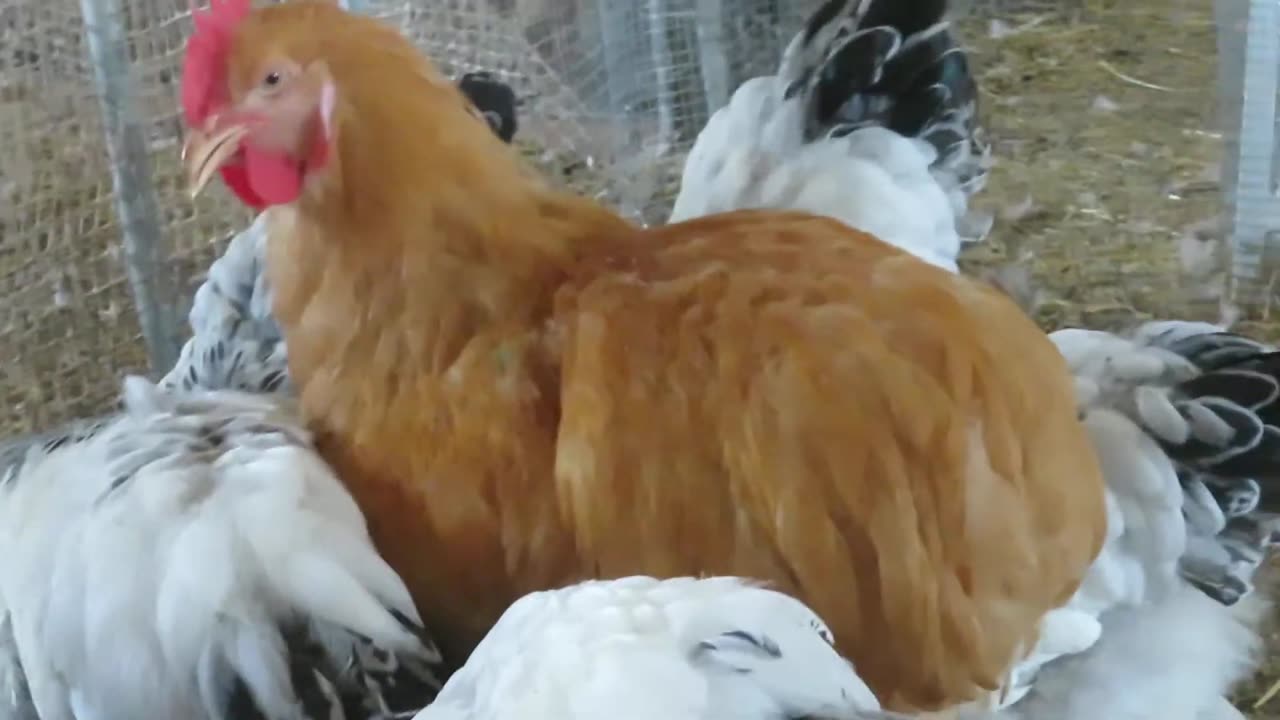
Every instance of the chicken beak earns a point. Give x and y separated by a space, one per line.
203 153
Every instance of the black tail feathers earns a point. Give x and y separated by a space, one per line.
887 63
1232 407
495 100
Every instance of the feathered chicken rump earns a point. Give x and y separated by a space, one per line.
872 119
192 557
637 647
522 390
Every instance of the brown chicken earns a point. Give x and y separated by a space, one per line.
521 389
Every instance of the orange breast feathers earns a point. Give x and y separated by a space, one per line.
774 395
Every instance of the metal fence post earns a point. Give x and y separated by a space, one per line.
658 23
135 195
713 56
1254 206
618 43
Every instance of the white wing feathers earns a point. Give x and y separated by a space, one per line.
1146 533
639 648
195 558
1119 381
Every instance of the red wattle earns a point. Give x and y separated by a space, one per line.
236 176
274 178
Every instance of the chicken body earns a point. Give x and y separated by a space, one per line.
522 390
235 343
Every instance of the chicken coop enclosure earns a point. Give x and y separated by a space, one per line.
1103 114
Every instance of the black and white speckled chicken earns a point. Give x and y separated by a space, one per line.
191 556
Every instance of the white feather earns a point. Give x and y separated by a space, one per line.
159 559
1171 660
640 649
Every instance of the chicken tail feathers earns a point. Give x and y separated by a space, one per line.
495 100
1224 421
1200 408
871 120
892 64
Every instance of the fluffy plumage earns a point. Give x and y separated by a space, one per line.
1171 660
723 648
640 649
1188 411
235 343
15 696
192 557
870 119
1230 407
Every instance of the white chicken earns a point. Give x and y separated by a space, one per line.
642 649
1183 418
1209 401
699 649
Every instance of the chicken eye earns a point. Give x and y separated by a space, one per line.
272 79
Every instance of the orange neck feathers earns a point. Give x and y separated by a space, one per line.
424 233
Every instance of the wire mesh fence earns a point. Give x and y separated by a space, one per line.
100 249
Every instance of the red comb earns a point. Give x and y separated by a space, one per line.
204 69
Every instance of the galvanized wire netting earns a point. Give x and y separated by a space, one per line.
100 249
